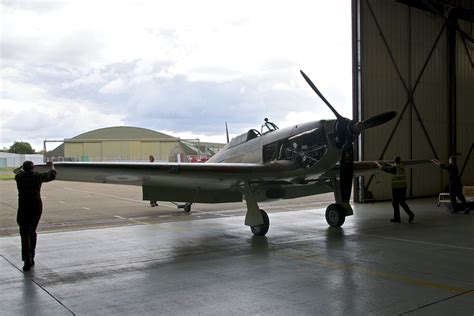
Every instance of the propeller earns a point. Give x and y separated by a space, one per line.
378 119
346 131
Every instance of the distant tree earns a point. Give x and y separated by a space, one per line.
21 148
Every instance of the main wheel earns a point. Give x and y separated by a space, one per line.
335 215
261 230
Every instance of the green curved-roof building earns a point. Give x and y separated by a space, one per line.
126 143
119 143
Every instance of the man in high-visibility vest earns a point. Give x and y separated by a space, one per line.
399 189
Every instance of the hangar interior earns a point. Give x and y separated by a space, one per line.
414 57
153 261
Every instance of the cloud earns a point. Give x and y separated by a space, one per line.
30 114
114 86
181 66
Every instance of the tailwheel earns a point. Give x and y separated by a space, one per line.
187 207
261 230
335 215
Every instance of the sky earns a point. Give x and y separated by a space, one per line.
180 67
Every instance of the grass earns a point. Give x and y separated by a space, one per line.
7 176
6 173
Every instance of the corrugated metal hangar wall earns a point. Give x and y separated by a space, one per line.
414 57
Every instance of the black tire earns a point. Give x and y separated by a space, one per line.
187 207
261 230
335 215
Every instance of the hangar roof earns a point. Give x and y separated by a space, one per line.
121 133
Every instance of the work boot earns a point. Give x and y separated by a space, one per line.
27 266
467 210
410 219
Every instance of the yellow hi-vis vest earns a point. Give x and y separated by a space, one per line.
399 180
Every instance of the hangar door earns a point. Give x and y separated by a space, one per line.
414 57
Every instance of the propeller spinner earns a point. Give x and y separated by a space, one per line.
346 131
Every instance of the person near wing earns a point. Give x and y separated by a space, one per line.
455 184
153 203
399 189
30 207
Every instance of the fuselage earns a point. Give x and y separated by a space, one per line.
309 145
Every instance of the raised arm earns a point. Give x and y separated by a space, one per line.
48 175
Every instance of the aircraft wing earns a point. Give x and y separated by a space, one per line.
179 182
212 175
369 167
210 182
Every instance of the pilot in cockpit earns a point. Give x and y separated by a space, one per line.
268 126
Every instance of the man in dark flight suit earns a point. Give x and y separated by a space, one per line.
455 185
30 207
399 189
153 203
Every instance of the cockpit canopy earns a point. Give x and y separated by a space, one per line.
267 127
251 134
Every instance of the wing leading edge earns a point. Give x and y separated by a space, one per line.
210 175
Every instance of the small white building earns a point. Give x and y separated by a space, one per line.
16 160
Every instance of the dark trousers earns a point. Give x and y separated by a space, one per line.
398 198
28 239
456 191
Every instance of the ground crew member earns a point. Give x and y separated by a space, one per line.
30 207
455 185
399 189
153 203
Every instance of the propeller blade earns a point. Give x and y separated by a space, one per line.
346 171
378 119
311 84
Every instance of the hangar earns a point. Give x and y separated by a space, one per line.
414 56
127 143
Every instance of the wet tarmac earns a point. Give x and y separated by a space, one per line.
212 265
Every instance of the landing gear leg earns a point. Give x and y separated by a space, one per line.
256 218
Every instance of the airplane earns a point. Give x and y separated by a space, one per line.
301 160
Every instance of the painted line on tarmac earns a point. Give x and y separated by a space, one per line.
423 242
295 240
106 195
132 220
